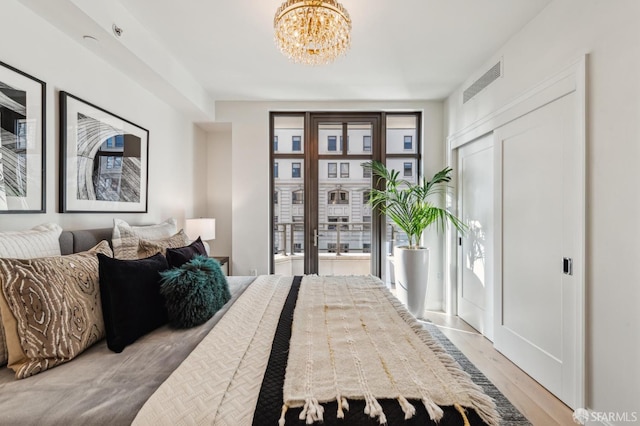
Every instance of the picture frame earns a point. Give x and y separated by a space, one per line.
22 142
104 160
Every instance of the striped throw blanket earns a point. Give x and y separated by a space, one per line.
351 341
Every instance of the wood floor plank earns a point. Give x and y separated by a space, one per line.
537 404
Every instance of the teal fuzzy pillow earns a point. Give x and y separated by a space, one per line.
194 292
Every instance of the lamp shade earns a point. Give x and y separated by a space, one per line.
204 228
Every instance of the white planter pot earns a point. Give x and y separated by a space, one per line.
412 272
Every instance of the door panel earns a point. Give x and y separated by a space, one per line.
342 223
540 181
476 201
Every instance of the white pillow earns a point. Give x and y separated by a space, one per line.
41 241
149 232
125 237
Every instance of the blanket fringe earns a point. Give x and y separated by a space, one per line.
285 407
483 404
463 413
408 409
373 409
312 411
343 406
435 412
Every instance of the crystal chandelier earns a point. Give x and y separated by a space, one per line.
312 32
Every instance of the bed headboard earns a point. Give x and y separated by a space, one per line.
81 240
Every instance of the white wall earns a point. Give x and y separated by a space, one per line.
34 46
609 32
218 193
250 171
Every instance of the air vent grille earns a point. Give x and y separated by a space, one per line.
489 77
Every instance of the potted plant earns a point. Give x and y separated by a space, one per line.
410 206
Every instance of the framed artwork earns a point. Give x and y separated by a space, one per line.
103 160
22 142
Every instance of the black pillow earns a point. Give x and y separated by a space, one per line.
132 304
179 256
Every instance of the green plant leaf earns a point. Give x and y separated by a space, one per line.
407 204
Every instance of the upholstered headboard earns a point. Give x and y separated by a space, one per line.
81 240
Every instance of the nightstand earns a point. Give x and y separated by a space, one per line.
224 263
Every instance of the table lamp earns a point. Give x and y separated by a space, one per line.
205 228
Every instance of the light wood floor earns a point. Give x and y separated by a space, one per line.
537 404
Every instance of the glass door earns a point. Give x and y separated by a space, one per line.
343 225
321 220
288 177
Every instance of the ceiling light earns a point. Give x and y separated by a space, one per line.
313 32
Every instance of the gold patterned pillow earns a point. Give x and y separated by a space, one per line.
148 248
51 308
37 242
4 354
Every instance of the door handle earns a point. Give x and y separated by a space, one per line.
315 237
567 265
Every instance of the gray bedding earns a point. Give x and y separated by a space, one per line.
101 387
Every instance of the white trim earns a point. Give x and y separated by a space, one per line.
543 93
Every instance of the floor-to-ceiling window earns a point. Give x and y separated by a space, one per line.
321 220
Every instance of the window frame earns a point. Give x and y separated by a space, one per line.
332 174
366 147
297 197
296 140
332 140
404 169
410 148
299 168
338 199
344 170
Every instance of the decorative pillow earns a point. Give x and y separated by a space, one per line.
181 255
51 308
41 241
125 237
4 353
131 301
194 292
147 248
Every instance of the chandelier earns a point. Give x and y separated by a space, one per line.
312 32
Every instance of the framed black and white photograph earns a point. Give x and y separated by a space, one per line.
104 160
22 142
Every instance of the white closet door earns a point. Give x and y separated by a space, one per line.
539 181
476 209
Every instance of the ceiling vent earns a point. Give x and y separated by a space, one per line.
489 77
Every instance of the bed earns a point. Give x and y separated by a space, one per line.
283 350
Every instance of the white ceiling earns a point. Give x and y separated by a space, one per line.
402 49
192 53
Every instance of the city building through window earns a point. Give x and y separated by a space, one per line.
295 170
332 143
344 170
408 169
332 170
408 143
296 143
338 197
366 143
